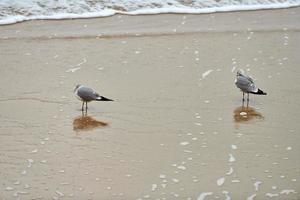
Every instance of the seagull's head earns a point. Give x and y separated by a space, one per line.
240 72
77 86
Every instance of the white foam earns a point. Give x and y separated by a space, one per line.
272 195
34 151
243 113
32 9
73 69
181 167
251 197
17 182
256 185
233 146
9 188
203 195
198 124
59 193
153 187
56 16
231 158
226 193
230 171
162 176
184 143
175 180
287 192
21 192
206 73
220 181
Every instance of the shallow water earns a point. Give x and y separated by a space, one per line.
176 129
13 11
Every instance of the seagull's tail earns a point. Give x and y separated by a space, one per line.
259 92
102 98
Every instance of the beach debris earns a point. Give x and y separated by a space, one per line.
203 195
231 158
226 193
162 176
175 180
153 187
9 188
184 143
230 171
34 151
206 73
181 167
251 197
17 182
73 69
287 192
256 185
221 181
77 66
271 195
59 193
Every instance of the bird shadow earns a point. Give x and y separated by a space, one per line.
246 114
87 123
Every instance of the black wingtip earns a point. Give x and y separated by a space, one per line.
260 92
105 99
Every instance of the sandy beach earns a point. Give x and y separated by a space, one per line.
177 128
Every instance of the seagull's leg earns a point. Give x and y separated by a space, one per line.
247 99
243 99
86 106
82 105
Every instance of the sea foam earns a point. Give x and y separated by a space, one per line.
13 11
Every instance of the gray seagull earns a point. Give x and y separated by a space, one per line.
86 94
247 85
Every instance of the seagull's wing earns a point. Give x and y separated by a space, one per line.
249 78
87 94
252 87
246 84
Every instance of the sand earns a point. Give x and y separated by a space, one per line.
176 129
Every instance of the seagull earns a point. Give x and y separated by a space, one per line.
247 85
86 94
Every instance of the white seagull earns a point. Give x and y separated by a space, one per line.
86 94
247 85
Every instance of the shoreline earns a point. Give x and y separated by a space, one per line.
145 12
155 25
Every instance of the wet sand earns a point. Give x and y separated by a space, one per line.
176 129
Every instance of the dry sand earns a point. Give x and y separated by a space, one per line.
176 129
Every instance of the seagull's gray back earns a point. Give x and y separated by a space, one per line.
87 94
245 83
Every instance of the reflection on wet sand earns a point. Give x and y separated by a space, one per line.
244 114
86 123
